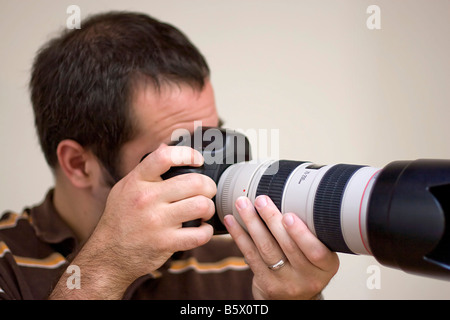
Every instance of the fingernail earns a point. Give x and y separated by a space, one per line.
261 202
228 220
241 203
288 220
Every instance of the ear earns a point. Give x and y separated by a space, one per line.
77 163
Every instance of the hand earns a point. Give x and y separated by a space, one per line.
309 264
144 214
141 226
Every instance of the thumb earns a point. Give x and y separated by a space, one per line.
165 157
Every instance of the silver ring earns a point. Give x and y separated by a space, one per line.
280 264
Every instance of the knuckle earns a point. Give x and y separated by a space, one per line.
275 290
206 207
211 187
197 239
202 204
202 184
271 291
187 242
161 152
154 221
319 255
141 199
315 286
195 181
294 291
266 248
182 155
271 215
250 256
166 154
205 235
144 197
290 247
334 264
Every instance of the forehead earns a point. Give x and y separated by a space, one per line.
158 113
172 106
168 100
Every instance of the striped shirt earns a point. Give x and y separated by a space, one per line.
36 247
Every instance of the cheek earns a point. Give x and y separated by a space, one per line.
103 186
130 156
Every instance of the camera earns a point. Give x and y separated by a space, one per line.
400 214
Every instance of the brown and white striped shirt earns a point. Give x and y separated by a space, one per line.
36 247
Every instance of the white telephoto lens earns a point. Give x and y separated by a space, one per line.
332 200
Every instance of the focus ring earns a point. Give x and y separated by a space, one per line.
274 179
327 206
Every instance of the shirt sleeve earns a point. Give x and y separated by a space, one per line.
9 271
13 279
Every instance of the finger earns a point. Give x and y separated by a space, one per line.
193 237
263 239
313 249
197 207
245 245
272 217
165 157
188 185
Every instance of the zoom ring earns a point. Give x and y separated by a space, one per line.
274 179
327 206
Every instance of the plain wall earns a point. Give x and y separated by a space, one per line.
336 91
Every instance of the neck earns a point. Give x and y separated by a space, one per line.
79 208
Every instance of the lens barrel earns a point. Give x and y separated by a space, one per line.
331 200
398 214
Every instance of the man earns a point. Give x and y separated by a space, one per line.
111 228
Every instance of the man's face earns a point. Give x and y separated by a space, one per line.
159 112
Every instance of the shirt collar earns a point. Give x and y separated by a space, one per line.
48 224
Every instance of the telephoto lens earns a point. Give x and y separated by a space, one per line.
398 214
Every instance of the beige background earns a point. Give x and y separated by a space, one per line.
337 91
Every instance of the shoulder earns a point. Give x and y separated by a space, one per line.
10 219
14 228
26 263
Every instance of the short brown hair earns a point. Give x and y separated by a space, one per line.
81 82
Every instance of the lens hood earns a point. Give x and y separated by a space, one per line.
408 217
